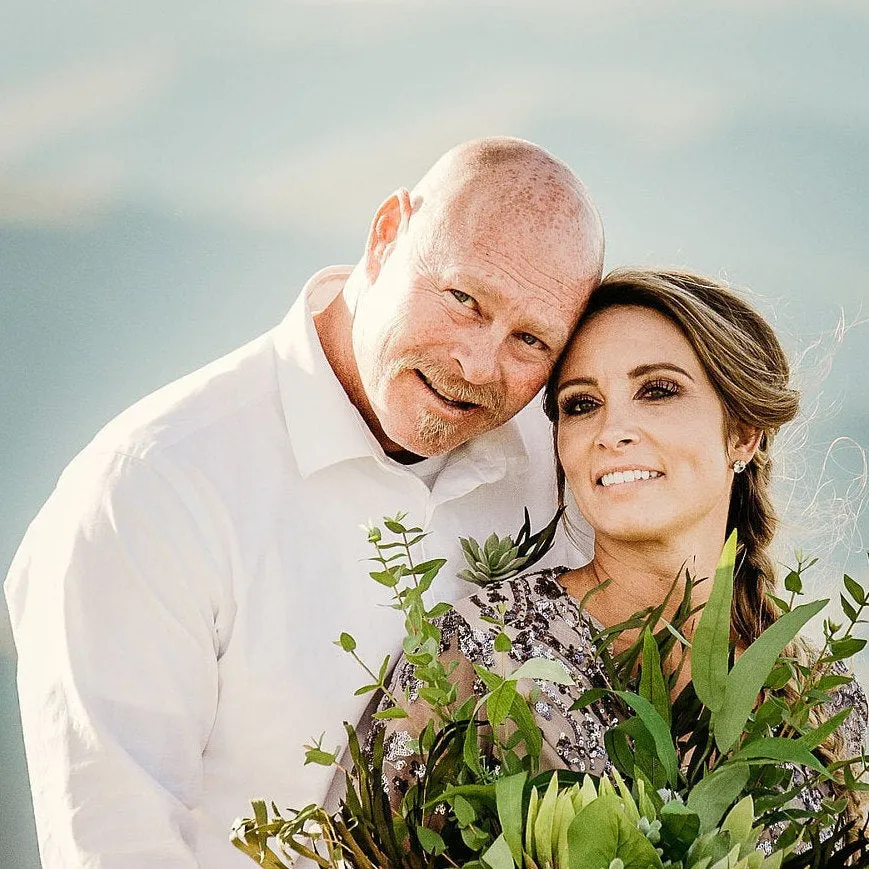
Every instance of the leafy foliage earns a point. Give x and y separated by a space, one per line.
695 780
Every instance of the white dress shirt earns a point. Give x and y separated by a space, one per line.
175 602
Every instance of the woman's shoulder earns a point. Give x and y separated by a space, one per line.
533 605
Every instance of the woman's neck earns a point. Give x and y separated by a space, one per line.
643 574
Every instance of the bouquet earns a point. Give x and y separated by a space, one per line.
707 780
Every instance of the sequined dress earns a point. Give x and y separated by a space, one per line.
543 620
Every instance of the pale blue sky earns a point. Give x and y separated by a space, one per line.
171 173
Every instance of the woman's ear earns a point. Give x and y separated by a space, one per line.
389 222
744 441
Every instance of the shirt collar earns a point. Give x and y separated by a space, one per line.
325 428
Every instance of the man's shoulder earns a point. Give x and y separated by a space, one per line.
232 393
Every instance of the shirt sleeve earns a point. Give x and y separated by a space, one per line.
113 606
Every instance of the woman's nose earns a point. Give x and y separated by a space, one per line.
617 430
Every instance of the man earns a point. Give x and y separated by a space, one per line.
176 600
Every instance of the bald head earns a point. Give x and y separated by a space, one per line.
510 192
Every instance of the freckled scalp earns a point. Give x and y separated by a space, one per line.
512 194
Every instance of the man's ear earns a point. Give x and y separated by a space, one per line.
389 222
744 441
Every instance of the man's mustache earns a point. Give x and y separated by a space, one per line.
447 383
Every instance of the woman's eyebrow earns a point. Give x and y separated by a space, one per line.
640 370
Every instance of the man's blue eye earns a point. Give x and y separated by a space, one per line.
529 339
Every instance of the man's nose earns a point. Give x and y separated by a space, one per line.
477 355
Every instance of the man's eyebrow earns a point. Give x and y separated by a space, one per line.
639 371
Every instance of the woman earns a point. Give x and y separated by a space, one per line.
664 407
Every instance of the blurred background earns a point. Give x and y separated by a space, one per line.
171 173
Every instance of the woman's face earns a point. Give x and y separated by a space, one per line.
641 430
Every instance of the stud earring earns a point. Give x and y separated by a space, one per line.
738 466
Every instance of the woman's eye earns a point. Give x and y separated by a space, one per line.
464 298
578 405
657 389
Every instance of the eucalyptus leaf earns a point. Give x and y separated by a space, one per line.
658 729
391 712
509 793
601 832
780 749
712 796
502 643
431 841
652 686
855 590
499 856
815 737
543 844
500 701
746 679
543 668
711 645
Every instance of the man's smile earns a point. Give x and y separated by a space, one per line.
446 399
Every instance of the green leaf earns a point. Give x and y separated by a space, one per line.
855 590
463 810
779 676
782 750
365 689
475 838
499 855
438 610
431 842
815 737
502 643
679 827
543 824
508 799
383 668
793 583
652 686
740 819
745 680
543 668
392 712
500 701
600 832
318 756
425 566
712 796
527 725
711 647
588 697
395 526
346 642
658 729
783 605
844 648
471 749
848 608
384 577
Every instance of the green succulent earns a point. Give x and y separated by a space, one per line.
500 558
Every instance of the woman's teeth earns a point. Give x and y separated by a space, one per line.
627 477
